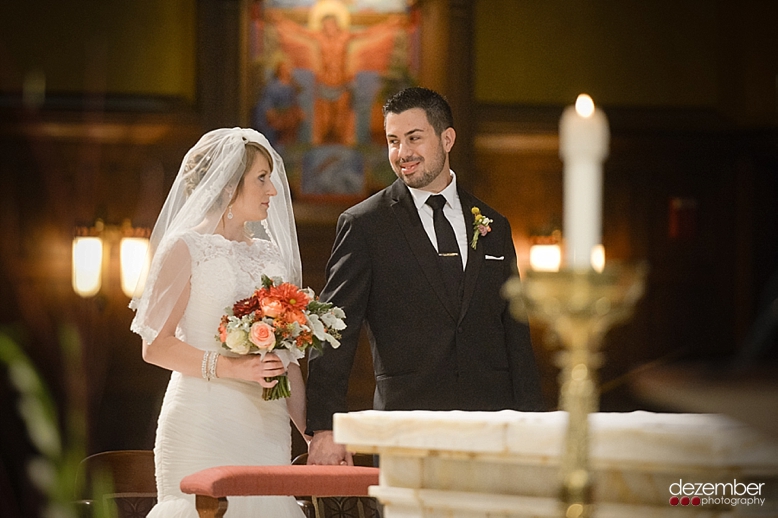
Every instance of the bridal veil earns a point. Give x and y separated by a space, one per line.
198 198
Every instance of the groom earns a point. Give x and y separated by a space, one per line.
415 269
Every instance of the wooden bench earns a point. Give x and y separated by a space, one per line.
127 478
212 486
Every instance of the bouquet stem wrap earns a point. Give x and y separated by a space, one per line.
281 389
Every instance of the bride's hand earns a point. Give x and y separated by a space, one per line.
253 367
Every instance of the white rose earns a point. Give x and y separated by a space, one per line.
238 341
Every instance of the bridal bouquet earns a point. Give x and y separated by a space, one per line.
280 317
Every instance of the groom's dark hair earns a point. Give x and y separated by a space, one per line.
434 105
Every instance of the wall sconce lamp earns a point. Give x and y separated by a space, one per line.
545 252
92 244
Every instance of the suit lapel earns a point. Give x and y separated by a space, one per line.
419 242
475 258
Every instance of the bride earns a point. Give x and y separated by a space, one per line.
226 221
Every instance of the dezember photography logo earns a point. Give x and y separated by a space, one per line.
716 493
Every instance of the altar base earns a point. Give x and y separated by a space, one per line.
506 464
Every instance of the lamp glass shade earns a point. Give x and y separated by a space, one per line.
133 257
545 258
87 265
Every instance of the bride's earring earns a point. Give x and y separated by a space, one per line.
229 213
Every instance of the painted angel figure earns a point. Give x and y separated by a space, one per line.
335 54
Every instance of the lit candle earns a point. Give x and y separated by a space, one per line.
583 145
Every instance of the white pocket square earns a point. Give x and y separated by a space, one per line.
494 257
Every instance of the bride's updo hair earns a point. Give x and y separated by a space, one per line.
194 171
197 166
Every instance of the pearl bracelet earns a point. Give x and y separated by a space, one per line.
204 366
208 367
212 366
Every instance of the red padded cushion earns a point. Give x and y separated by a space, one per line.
292 480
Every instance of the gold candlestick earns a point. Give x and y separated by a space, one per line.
579 306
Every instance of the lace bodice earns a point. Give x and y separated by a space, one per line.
223 272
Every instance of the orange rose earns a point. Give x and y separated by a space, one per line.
223 328
271 307
262 336
295 316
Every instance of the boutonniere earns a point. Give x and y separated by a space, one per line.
480 226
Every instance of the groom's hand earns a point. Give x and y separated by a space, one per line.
324 450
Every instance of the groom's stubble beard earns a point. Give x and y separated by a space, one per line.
427 173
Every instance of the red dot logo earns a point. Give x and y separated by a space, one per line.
685 500
696 500
674 500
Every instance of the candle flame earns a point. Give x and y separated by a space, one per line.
584 105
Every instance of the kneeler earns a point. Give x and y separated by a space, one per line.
212 486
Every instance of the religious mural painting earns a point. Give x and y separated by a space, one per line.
319 72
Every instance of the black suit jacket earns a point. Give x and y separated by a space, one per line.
430 352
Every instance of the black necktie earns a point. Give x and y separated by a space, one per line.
448 249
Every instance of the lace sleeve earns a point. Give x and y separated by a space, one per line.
168 276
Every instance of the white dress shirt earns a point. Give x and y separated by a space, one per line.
452 210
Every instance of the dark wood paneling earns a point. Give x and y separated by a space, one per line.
698 302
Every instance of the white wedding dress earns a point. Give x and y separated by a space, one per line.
222 421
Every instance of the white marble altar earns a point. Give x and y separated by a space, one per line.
505 464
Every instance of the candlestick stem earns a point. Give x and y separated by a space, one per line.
579 306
